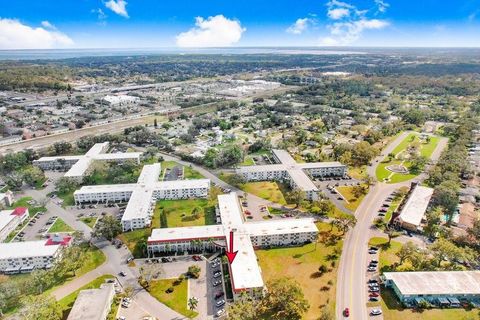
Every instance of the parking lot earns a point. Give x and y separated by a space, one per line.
208 288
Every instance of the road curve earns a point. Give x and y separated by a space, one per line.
352 272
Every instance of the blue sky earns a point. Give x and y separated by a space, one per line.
207 23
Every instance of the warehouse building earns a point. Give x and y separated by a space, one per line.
246 275
297 175
93 304
413 210
141 196
441 288
78 166
10 220
23 257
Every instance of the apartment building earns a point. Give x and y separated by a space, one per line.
297 175
10 220
93 304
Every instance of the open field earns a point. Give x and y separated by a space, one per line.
89 221
176 300
179 212
60 226
266 190
353 202
426 150
302 263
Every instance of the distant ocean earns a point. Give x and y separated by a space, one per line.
55 54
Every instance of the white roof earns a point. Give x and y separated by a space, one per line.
230 210
181 184
284 226
436 282
92 303
263 168
79 168
5 217
97 148
302 181
13 250
48 159
416 205
117 156
315 165
187 233
150 174
120 98
283 156
107 188
140 204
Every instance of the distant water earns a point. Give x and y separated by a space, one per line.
55 54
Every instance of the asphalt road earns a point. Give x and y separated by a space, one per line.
352 274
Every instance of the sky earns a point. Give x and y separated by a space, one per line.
52 24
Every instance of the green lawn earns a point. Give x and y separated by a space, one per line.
357 172
176 300
67 197
387 252
266 190
302 263
134 241
247 161
67 302
179 212
60 226
190 174
353 202
89 221
426 150
32 209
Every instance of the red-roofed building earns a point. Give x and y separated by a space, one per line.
10 220
57 239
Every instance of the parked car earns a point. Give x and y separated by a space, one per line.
216 282
122 273
371 269
217 274
373 299
219 313
219 294
346 312
375 312
196 258
220 303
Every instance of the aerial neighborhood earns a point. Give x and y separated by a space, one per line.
210 181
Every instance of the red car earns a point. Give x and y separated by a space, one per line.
374 294
346 312
196 258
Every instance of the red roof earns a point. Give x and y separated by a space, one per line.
55 240
20 211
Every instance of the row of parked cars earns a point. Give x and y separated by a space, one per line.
219 296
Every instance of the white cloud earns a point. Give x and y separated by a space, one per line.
299 26
382 6
348 22
15 35
118 6
216 31
338 13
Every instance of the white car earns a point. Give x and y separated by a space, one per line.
375 312
219 313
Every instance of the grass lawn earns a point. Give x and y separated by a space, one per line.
67 302
302 263
176 300
353 202
357 172
266 190
179 212
133 240
190 174
60 226
67 197
248 161
426 150
89 221
32 209
387 252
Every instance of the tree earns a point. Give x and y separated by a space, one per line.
325 314
474 232
41 307
359 191
444 250
446 196
296 196
196 212
194 271
407 251
323 208
155 123
192 303
434 221
284 300
62 147
65 185
74 257
236 180
32 175
346 222
245 308
108 227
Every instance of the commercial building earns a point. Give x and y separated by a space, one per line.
121 100
413 209
141 196
78 166
297 175
93 304
11 219
443 288
246 275
22 257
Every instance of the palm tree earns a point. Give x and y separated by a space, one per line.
192 303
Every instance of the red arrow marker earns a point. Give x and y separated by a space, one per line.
230 253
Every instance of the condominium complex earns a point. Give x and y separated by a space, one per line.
297 175
413 209
78 166
93 304
10 219
22 257
246 275
141 196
